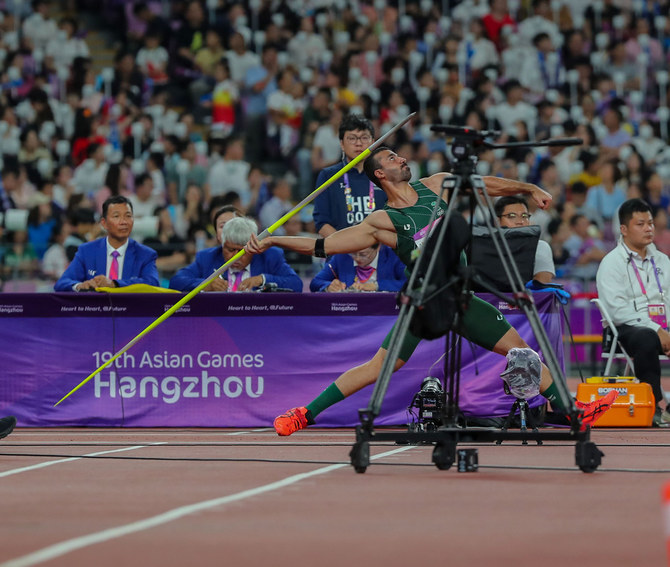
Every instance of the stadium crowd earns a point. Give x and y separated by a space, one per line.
223 102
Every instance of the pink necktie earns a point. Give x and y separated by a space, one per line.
236 281
114 268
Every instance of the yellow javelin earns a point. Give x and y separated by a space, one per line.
268 231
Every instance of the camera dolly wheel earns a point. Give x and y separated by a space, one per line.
360 456
587 456
444 455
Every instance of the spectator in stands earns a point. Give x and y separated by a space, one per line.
540 22
559 232
82 221
231 172
143 200
585 248
152 60
38 28
661 230
543 70
189 214
205 60
306 48
476 50
114 261
34 156
170 248
514 108
285 107
42 220
277 206
55 259
259 83
189 38
249 272
350 199
497 18
375 268
240 59
127 77
194 174
90 176
154 24
512 212
154 166
649 146
607 196
616 135
578 194
116 183
326 148
10 185
20 261
632 281
221 216
62 188
67 47
225 99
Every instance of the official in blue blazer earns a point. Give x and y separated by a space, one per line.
376 268
250 271
114 261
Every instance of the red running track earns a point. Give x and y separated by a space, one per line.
82 497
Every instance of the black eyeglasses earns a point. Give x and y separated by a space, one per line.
365 138
512 216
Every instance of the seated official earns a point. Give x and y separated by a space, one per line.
633 281
248 272
376 268
512 212
114 261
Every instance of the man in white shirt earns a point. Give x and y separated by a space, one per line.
231 173
544 69
514 108
540 21
143 200
632 281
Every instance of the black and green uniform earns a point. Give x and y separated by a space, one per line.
483 324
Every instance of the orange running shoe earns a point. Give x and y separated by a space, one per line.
293 420
594 410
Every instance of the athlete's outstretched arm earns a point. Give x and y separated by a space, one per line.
496 187
375 228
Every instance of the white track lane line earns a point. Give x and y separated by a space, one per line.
70 459
70 545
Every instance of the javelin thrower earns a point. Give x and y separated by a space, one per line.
403 225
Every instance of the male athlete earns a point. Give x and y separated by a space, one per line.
403 225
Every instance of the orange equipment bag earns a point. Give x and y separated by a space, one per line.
634 407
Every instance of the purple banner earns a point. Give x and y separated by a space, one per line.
225 360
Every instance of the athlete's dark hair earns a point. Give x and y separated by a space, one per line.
371 164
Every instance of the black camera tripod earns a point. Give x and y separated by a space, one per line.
421 289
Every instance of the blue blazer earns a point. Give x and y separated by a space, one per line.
139 265
270 263
390 271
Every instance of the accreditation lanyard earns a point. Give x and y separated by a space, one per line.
656 310
349 198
